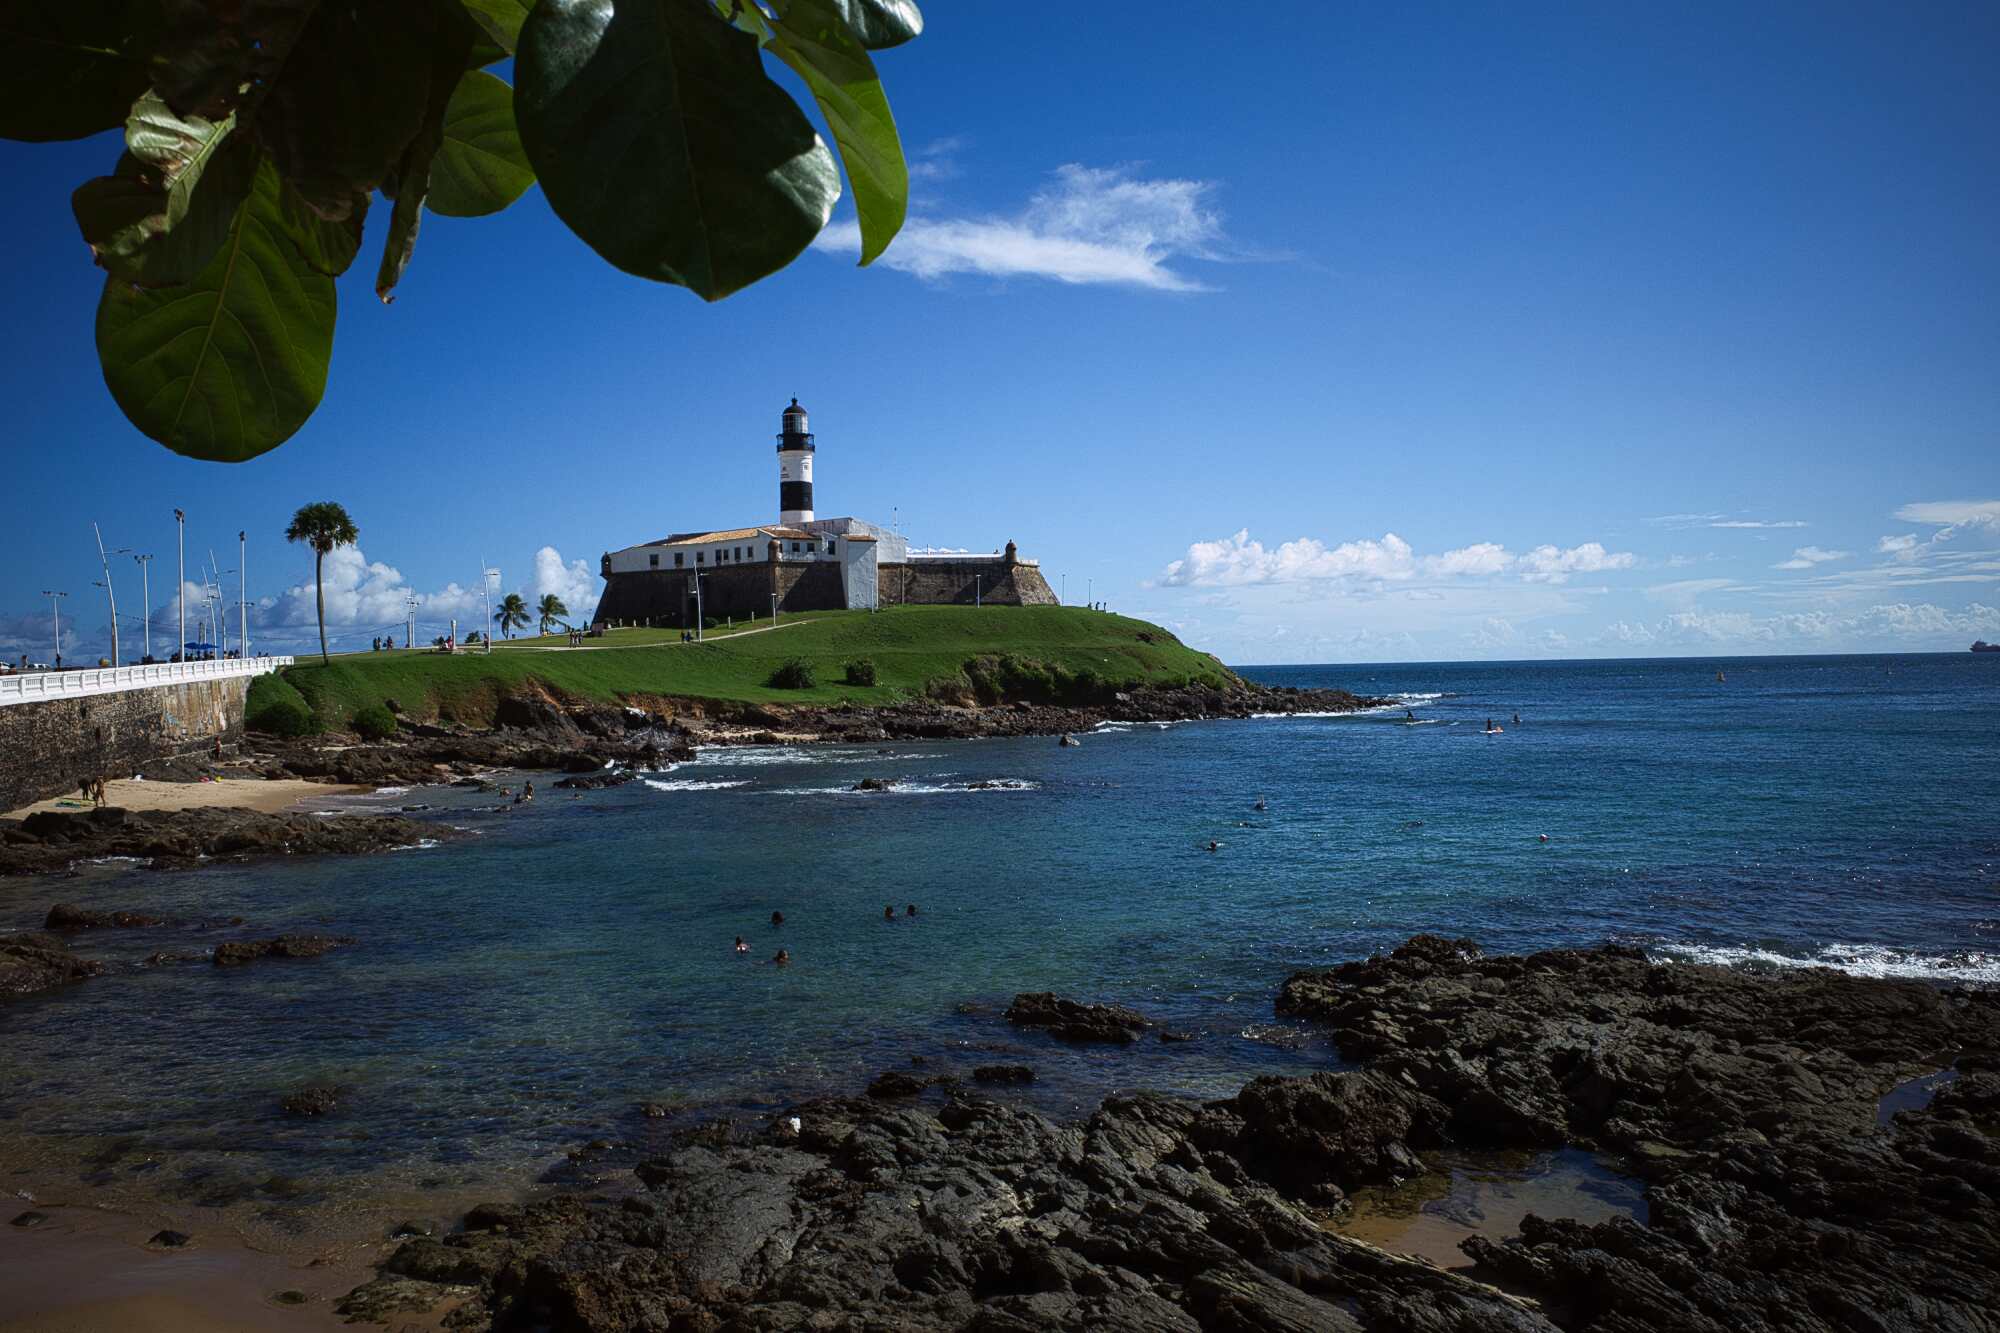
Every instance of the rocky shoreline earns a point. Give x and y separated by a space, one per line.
1779 1199
49 842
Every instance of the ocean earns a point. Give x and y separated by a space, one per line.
533 982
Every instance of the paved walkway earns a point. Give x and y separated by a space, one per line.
663 643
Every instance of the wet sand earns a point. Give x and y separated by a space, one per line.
265 795
88 1269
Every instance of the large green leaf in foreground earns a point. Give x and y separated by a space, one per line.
162 217
815 40
659 140
878 23
481 168
234 363
69 68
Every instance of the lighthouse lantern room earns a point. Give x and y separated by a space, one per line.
795 468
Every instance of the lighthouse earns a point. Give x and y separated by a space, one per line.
795 468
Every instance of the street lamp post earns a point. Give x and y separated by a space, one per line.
410 620
145 563
55 611
110 595
774 610
698 617
180 585
242 595
977 596
486 577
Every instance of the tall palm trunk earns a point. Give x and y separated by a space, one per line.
319 593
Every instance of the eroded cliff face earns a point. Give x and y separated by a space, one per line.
1749 1103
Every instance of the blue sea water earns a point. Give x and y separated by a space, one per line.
530 983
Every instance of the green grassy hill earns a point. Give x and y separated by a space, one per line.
911 647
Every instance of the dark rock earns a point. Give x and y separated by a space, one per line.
290 1296
1176 1036
31 961
1003 1074
234 953
31 1218
494 1217
413 1227
896 1083
1071 1020
172 1240
176 838
319 1099
68 916
597 780
875 784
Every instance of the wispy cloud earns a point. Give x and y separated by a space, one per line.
1722 521
1237 561
936 160
1903 624
1805 557
1090 225
1953 513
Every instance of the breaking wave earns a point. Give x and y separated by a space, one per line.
694 784
1861 960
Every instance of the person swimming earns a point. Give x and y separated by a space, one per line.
1262 804
1214 846
782 958
889 912
1408 716
1517 719
777 918
741 947
911 910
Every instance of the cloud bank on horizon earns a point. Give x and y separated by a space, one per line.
1307 599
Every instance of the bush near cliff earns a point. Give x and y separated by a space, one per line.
375 722
861 671
796 674
274 706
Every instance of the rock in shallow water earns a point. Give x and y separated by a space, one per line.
1776 1201
1071 1020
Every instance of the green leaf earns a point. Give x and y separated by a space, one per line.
355 93
326 247
217 55
814 39
410 181
481 168
69 68
660 140
500 20
162 217
232 364
876 24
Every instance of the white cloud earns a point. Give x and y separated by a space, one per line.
574 583
1756 523
1091 225
1900 548
1903 625
1237 560
1805 557
1722 521
936 160
1550 564
1954 513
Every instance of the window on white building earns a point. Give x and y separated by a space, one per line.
653 559
678 557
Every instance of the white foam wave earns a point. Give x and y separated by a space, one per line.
1352 712
1861 960
420 845
694 784
392 791
917 788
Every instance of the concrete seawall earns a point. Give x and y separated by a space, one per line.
48 745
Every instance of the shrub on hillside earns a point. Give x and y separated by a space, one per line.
275 707
793 675
375 723
861 671
1012 678
953 689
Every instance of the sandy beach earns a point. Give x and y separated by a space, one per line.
266 795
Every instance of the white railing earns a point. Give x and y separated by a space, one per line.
967 558
36 686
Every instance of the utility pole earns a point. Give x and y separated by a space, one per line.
55 610
110 596
976 596
180 586
145 563
1090 593
698 617
410 620
242 595
774 610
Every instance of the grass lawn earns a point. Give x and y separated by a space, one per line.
910 646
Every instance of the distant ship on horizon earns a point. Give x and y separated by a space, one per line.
1981 646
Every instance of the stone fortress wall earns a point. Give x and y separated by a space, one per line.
743 591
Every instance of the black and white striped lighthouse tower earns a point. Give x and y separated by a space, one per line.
795 468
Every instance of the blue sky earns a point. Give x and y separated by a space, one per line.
1379 333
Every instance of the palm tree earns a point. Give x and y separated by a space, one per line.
551 610
513 614
322 526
